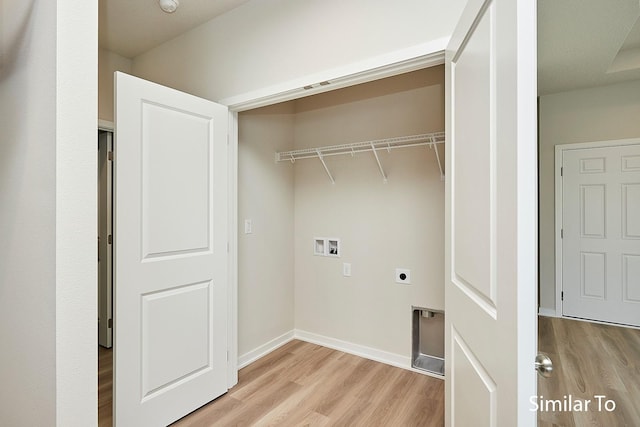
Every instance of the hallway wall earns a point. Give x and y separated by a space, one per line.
595 114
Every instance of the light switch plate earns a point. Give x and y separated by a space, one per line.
248 226
346 269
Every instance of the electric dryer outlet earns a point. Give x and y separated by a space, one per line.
403 276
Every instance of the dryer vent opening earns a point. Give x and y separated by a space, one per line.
428 340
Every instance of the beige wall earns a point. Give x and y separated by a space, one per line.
109 63
381 226
267 42
265 257
596 114
27 215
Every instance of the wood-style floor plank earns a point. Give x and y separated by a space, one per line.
590 359
105 386
302 384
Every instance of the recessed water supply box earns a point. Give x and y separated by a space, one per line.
427 340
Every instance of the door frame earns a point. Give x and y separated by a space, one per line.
559 200
109 230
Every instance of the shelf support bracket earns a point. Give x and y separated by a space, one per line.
434 146
321 157
375 153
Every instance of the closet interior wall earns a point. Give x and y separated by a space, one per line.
381 226
265 256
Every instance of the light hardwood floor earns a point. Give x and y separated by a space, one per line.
590 359
302 384
305 384
105 386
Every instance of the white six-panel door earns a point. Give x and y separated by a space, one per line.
170 334
601 233
491 216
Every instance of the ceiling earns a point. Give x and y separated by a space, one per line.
581 43
131 27
587 43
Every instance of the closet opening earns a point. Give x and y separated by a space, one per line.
105 276
337 192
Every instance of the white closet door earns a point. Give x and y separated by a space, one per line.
601 234
491 233
171 253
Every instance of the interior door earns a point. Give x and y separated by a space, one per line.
601 234
105 252
170 332
491 216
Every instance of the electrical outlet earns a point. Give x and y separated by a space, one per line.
403 275
248 226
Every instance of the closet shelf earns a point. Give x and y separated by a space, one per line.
428 139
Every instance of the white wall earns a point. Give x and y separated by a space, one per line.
596 114
108 63
381 226
267 42
265 257
48 106
27 214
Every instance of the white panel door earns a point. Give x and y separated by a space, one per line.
170 333
105 252
601 234
491 216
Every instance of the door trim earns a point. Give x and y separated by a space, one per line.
398 62
232 251
559 200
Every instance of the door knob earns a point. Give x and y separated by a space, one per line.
544 365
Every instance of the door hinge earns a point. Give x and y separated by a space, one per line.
562 233
227 355
110 324
562 296
110 156
561 171
227 246
110 239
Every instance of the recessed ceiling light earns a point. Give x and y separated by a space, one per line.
169 6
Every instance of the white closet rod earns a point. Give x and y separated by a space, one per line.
429 139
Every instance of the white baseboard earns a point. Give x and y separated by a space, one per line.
355 349
370 353
547 312
263 350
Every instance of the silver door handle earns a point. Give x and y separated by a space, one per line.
544 365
